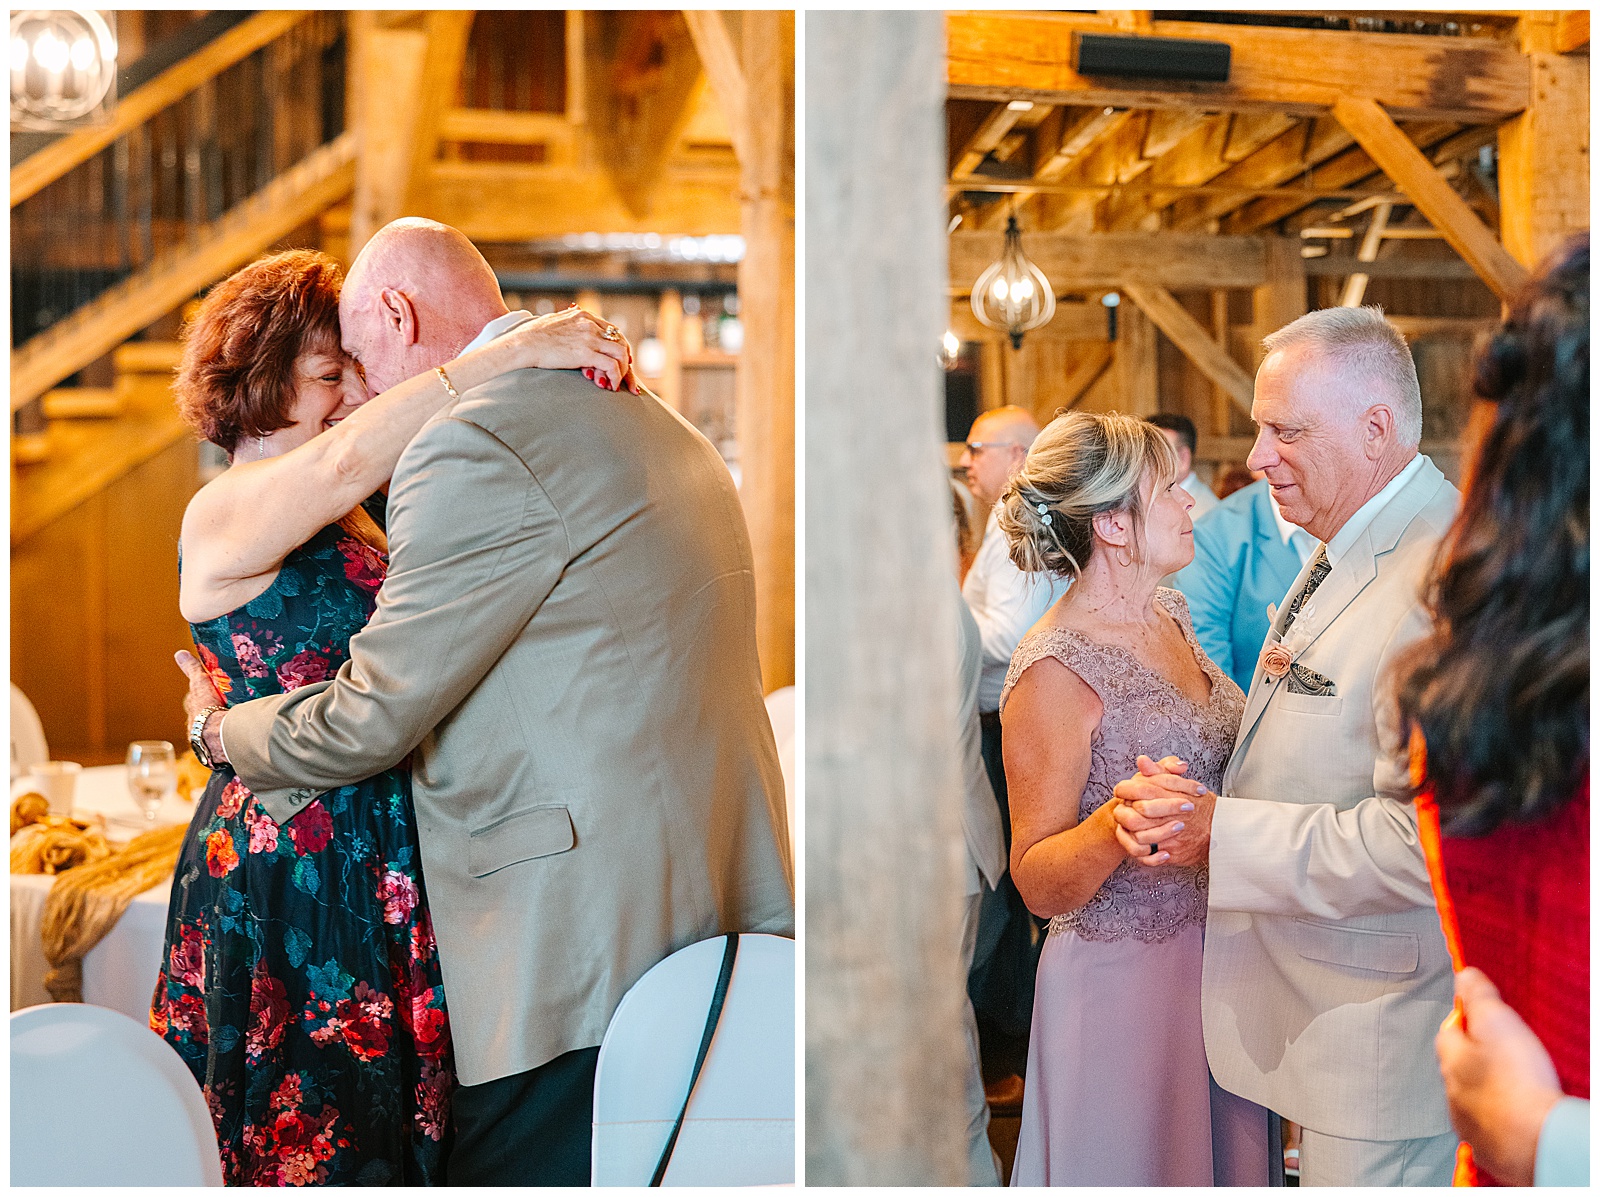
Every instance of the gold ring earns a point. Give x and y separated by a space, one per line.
611 333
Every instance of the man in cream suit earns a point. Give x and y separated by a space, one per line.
1326 975
565 644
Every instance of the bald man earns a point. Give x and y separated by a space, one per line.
1005 603
565 644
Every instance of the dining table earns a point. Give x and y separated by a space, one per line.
120 971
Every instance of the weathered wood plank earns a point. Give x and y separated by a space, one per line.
1188 335
1544 160
1072 322
997 56
1400 159
714 44
1176 261
1090 366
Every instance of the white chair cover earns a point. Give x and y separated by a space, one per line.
28 745
740 1125
98 1099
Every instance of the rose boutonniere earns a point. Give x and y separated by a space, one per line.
1275 660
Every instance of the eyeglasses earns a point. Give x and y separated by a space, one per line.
977 447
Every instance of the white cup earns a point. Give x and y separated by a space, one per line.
56 780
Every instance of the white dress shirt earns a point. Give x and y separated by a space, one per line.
1293 535
498 327
1005 602
1358 523
1204 499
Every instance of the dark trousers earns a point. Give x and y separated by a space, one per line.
1007 956
532 1128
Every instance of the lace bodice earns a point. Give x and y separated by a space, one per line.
1144 713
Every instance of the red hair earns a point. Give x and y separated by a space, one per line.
236 378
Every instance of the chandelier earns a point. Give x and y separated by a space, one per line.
1013 295
63 67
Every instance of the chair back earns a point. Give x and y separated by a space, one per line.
740 1125
28 747
98 1099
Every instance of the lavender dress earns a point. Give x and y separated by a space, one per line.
1118 1089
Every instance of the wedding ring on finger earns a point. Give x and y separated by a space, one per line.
611 333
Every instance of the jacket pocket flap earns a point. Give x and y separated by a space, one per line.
1353 947
526 835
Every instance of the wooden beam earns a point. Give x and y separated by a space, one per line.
1411 171
1138 379
1343 170
1437 269
1184 331
765 396
294 197
389 65
39 170
1059 153
1221 416
447 31
1544 160
576 108
1006 56
1286 157
1172 260
1281 297
1572 31
82 403
490 201
987 136
1094 362
1355 287
1072 322
500 126
642 72
713 42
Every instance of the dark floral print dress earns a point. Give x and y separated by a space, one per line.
301 981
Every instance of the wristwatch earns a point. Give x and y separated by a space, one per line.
197 736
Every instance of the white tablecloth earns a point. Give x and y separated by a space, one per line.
120 971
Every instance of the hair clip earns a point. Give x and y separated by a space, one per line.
1044 513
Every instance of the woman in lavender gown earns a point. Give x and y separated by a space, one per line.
1118 1090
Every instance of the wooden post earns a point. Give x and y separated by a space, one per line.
884 986
1221 416
765 395
1136 362
1282 297
1544 160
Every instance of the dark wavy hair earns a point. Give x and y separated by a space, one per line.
236 376
1500 689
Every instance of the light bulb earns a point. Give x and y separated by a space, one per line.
19 54
50 52
952 346
83 54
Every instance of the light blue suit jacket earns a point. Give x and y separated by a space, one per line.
1240 565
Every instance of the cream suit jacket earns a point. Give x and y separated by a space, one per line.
980 813
1325 974
565 644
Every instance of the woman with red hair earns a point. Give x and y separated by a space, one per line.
301 980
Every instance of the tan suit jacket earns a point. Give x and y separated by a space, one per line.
565 643
1325 974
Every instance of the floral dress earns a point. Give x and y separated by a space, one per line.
300 981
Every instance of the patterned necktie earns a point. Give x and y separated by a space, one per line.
1319 570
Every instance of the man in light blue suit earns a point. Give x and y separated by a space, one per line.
1245 557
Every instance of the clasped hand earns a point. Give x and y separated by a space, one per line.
1160 806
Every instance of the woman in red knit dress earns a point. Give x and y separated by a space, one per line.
1500 695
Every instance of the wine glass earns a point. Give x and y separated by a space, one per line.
152 775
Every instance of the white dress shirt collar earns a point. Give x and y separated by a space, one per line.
1358 523
1293 535
498 327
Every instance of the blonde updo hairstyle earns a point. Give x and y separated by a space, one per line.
1082 465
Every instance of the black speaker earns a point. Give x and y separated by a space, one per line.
1150 57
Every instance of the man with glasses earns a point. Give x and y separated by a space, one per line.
1005 602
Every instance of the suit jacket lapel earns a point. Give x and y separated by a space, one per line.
1355 570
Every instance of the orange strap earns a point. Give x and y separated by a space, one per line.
1466 1173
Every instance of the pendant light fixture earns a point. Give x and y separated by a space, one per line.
1013 295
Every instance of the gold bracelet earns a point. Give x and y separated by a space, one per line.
445 378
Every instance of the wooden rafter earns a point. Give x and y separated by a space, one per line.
1094 362
39 170
1176 261
1189 335
1410 169
1301 72
713 42
1072 322
447 31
